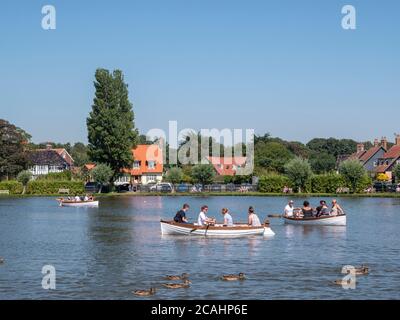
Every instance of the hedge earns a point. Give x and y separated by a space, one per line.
326 183
13 186
52 187
273 183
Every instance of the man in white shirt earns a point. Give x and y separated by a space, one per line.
203 220
289 209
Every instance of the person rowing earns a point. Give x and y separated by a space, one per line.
203 220
288 212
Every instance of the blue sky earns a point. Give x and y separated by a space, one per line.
283 67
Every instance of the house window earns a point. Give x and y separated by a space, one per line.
151 178
375 163
136 164
151 164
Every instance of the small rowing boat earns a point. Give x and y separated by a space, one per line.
318 221
73 203
218 230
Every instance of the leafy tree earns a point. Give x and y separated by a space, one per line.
111 131
102 174
353 171
174 175
333 146
203 173
396 172
79 152
24 177
271 155
13 157
298 171
322 162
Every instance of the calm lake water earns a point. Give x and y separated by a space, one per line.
106 252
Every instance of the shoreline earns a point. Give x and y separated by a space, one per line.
214 194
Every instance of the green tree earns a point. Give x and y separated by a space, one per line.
174 175
396 172
354 173
203 173
271 155
298 171
79 152
111 130
102 174
24 177
13 157
322 162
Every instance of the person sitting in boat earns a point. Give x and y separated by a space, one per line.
307 210
289 209
336 209
228 221
77 198
319 208
323 209
86 198
180 216
203 220
253 220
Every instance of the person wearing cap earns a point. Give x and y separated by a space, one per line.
289 209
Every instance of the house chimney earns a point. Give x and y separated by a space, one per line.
48 146
384 143
360 147
376 142
397 139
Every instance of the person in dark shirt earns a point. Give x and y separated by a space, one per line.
319 208
180 216
307 210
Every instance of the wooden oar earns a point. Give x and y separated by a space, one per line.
275 215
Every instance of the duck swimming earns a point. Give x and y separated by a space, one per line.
185 284
183 276
145 292
1 260
342 282
362 270
233 277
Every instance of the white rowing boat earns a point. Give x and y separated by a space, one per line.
238 230
318 221
72 203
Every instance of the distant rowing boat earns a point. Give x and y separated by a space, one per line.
72 203
318 221
171 227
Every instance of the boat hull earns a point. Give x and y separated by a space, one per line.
173 228
79 204
321 221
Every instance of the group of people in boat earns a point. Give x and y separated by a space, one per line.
309 212
204 220
77 198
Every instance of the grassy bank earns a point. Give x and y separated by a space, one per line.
216 194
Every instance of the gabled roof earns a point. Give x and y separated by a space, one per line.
225 166
63 153
357 155
145 153
370 153
393 153
49 157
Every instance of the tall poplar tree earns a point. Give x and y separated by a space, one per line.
111 128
